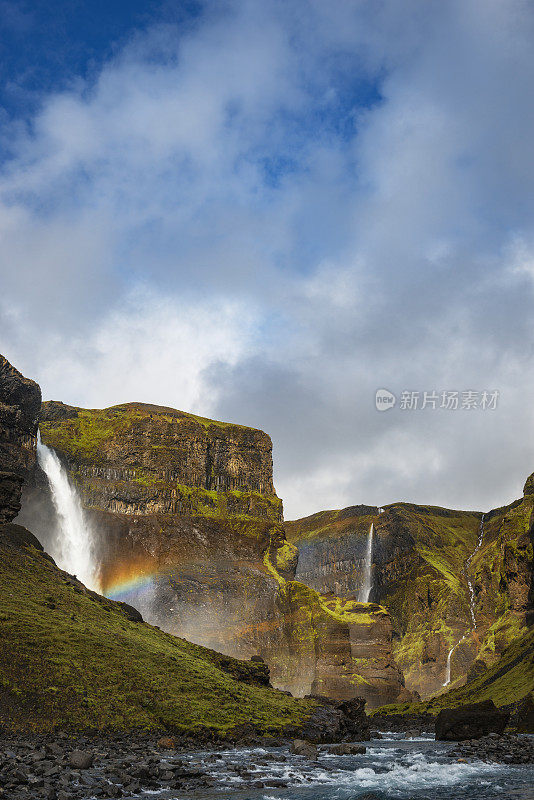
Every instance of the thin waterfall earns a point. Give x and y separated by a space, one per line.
467 566
367 577
449 657
73 545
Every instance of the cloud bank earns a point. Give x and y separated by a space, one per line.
270 212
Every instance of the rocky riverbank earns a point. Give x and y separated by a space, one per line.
64 768
506 749
71 768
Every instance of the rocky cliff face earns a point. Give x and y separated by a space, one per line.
20 400
190 532
442 590
143 459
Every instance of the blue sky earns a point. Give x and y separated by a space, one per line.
264 211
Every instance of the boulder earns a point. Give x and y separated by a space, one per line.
523 719
167 743
347 749
332 721
470 721
81 759
354 722
300 747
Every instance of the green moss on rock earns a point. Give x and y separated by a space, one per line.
72 659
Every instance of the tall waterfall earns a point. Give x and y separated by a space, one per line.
73 545
365 591
467 566
471 587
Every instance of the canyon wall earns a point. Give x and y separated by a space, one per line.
190 531
20 400
424 560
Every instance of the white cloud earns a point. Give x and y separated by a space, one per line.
297 251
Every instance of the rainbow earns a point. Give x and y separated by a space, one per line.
127 584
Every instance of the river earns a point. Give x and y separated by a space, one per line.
393 767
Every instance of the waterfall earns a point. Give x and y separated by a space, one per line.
467 566
449 657
73 544
367 579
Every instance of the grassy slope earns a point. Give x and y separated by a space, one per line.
508 681
72 660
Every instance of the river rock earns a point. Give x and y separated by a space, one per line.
300 747
523 718
346 749
81 759
470 721
507 749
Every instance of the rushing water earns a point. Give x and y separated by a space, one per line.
365 591
73 545
471 587
416 769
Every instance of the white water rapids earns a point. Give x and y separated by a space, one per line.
365 591
471 587
73 546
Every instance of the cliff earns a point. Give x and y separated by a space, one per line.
140 459
507 682
189 530
425 562
20 400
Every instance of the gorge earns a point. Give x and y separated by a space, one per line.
123 498
177 515
184 523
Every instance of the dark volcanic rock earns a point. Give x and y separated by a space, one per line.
354 721
507 749
81 759
300 747
20 400
523 718
333 721
471 721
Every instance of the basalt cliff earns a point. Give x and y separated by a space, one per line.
457 584
73 660
20 401
190 531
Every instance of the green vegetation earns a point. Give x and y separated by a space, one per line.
425 584
72 659
84 433
508 681
328 525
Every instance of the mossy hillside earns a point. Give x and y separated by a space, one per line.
430 601
420 558
508 681
73 660
502 572
430 604
328 525
83 434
